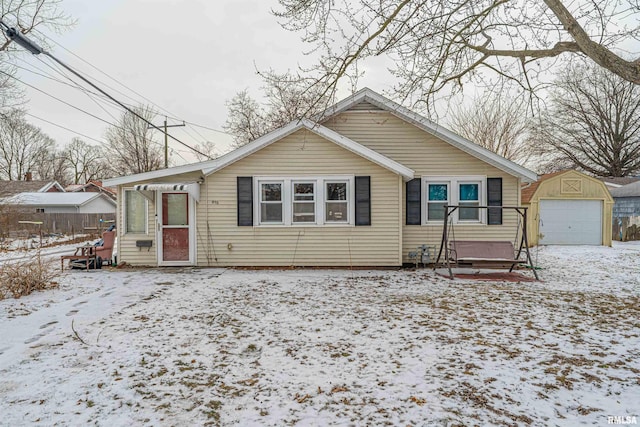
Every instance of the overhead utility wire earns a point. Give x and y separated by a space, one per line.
128 88
65 128
21 40
60 100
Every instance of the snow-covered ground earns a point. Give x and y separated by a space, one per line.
328 347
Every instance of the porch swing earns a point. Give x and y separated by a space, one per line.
484 254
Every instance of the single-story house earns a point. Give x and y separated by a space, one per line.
568 208
11 188
626 212
84 203
363 184
92 186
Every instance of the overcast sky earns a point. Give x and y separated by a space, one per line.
187 56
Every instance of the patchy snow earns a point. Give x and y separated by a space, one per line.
20 250
328 347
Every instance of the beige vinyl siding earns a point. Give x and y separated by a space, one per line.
427 155
127 250
221 242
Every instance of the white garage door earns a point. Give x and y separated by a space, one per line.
570 222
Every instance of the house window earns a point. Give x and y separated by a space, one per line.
437 198
469 195
304 202
336 202
271 203
467 192
39 210
135 215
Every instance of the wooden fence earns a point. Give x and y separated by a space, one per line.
53 223
627 228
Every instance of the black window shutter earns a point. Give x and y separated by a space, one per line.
363 200
245 201
414 202
494 198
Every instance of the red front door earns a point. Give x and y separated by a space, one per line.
175 227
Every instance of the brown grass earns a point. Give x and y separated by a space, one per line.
23 278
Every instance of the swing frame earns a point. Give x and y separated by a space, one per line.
487 262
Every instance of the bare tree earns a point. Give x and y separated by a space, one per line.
51 165
497 123
593 123
208 150
26 16
286 99
131 143
445 43
21 144
84 160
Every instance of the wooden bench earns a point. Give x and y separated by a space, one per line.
483 254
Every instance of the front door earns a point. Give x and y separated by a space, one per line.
175 229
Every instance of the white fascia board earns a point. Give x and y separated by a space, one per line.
161 173
320 130
98 195
428 126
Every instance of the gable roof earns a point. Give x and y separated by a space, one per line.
363 96
55 199
367 95
615 181
10 188
212 166
629 190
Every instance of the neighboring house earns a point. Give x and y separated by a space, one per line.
83 203
626 212
11 188
363 185
616 182
568 208
93 186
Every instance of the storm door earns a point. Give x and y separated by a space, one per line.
176 229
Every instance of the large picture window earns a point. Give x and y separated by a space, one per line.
464 191
135 215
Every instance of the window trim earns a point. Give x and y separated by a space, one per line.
427 201
282 201
453 182
287 197
124 212
314 202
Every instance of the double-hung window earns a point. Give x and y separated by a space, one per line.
304 202
336 197
467 192
271 203
469 195
437 197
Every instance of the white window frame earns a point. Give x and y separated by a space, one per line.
453 183
124 213
287 199
426 198
313 202
281 202
347 201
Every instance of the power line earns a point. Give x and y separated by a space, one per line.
128 88
65 128
60 100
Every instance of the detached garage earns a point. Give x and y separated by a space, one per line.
568 208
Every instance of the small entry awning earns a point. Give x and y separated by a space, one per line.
148 190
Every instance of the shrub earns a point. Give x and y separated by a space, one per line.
22 278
